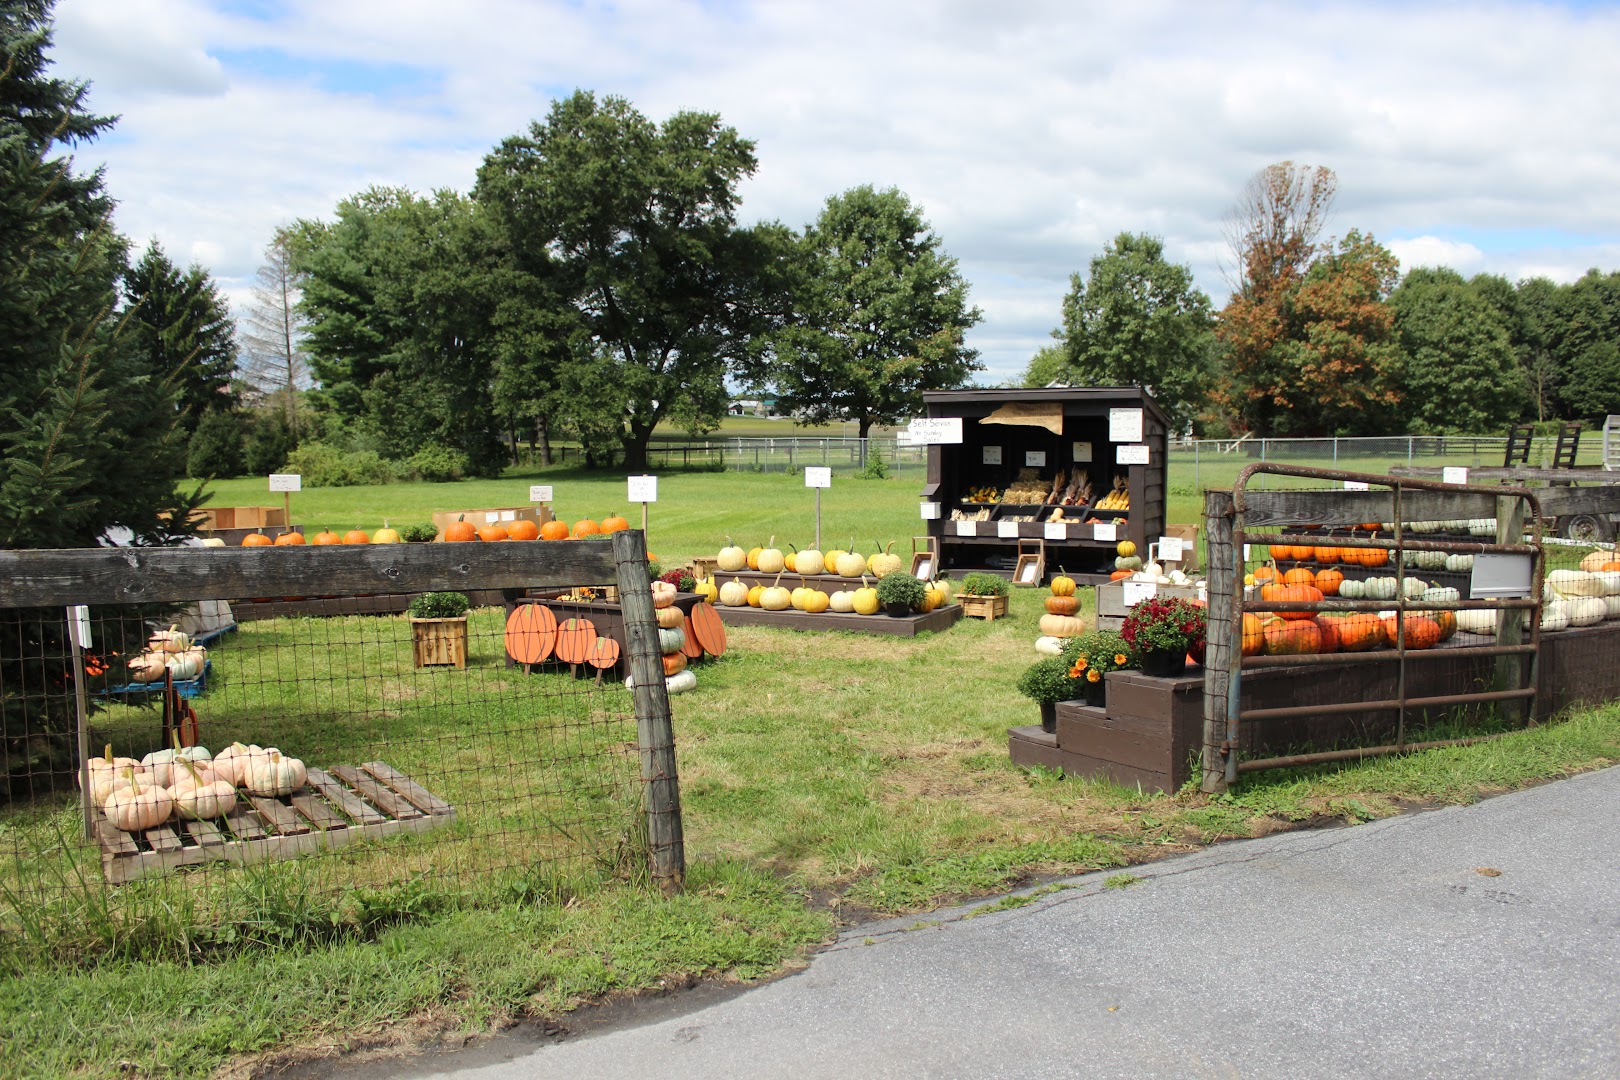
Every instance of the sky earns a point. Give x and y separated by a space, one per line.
1481 136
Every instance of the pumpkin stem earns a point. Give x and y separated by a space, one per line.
107 754
771 542
134 788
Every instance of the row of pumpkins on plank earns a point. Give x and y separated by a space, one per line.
187 783
168 651
458 531
770 559
861 601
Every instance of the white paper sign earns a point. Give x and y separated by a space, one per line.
1082 451
286 482
925 569
1170 549
967 528
1124 425
992 455
539 492
491 517
1355 485
930 511
939 429
1454 474
1006 529
1132 455
1245 552
643 489
1056 530
1137 591
1108 532
818 476
1029 572
508 515
1035 459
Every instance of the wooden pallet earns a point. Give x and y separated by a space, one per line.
332 809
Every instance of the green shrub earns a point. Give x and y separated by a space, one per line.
875 468
439 605
418 532
1047 682
438 464
981 584
901 588
326 466
216 447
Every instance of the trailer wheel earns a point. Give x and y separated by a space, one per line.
1586 528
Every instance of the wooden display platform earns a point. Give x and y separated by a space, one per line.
332 810
887 625
826 583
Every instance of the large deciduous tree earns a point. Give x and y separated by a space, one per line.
638 221
1588 343
1460 373
273 358
882 315
1138 320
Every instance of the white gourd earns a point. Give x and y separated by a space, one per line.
1413 587
842 601
1440 595
1459 564
1585 610
186 665
1378 588
851 564
1567 584
734 593
1609 582
1554 616
809 561
273 774
1611 607
1352 589
1476 621
1048 645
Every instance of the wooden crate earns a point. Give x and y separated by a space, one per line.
982 607
439 642
332 810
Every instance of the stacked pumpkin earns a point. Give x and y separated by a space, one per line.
187 783
672 638
168 652
1062 618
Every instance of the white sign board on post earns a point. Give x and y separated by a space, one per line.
643 489
1454 474
286 482
540 493
939 429
818 476
1170 549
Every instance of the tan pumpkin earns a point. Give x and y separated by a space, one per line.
851 564
734 593
810 561
1062 604
842 601
732 558
771 559
776 598
663 594
274 774
669 617
138 806
883 561
1062 626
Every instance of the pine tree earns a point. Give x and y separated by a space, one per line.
184 326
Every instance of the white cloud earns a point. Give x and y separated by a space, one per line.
1432 251
1030 132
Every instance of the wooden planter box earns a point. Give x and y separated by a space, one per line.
982 607
437 642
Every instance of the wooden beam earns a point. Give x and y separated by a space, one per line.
1338 508
1563 502
40 578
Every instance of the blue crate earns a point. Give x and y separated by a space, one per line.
186 688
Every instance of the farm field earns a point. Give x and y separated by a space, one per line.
824 778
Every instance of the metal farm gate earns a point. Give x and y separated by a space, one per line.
1365 529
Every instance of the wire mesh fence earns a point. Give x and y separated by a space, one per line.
323 741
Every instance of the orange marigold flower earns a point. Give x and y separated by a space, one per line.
1080 664
1120 659
1093 676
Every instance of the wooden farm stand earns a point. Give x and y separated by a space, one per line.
1056 427
941 618
333 810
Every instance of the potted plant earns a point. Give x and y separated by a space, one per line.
901 594
1048 681
1162 632
420 532
984 596
1092 656
438 629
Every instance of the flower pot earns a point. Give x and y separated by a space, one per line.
899 611
1164 663
1095 693
439 642
1049 717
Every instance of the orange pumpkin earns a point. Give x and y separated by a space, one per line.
586 527
1421 632
493 532
256 539
326 538
1359 632
1609 567
614 523
1298 594
554 530
1254 633
1265 572
674 663
1374 556
1329 581
460 531
290 538
1299 575
1329 628
1062 605
1120 575
1447 621
356 536
1292 637
522 529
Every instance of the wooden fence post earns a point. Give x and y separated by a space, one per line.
1510 670
656 735
1220 658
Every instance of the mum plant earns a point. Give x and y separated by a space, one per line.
982 584
1091 656
1049 680
1159 625
439 605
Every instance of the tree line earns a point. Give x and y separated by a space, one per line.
1325 337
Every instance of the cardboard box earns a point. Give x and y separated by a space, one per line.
500 515
241 517
1189 545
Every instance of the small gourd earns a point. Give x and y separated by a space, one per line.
681 682
732 558
734 593
1585 610
1047 645
842 601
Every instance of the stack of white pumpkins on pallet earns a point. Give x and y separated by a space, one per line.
1583 597
187 783
678 678
168 651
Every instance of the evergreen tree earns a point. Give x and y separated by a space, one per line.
216 447
184 326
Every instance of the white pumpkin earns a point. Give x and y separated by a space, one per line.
732 558
187 665
776 598
1554 616
137 807
1567 584
809 561
1477 621
851 564
1611 607
883 562
842 601
734 593
771 559
161 762
681 682
1609 582
1049 646
172 640
1351 589
273 774
1585 610
1413 587
231 763
1376 588
1440 595
1459 564
191 774
204 802
148 667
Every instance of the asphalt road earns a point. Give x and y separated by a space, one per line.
1479 941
